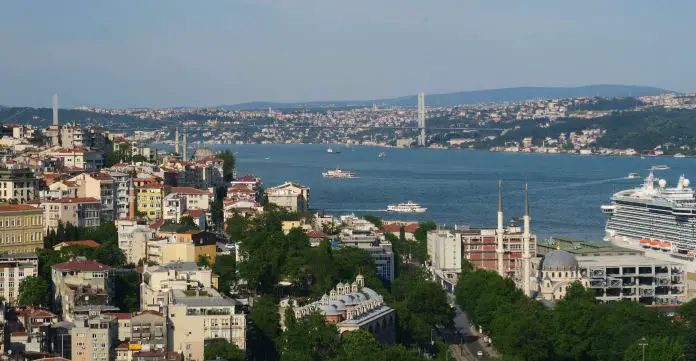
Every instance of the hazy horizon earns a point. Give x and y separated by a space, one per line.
174 53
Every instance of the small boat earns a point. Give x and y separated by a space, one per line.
332 151
380 155
679 155
660 167
408 207
338 173
633 175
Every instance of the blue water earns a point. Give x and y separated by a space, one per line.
458 187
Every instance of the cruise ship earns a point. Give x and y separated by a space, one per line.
408 207
338 173
655 218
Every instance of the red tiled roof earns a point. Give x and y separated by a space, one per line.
411 227
81 265
19 334
195 213
85 242
37 313
15 207
156 224
150 185
189 190
122 315
101 176
316 234
73 200
122 346
246 178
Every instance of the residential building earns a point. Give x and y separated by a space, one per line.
149 330
37 323
445 251
59 189
80 212
100 186
205 245
21 228
198 316
14 268
93 338
71 135
132 238
352 307
159 281
18 184
76 157
380 250
121 191
70 280
174 207
247 188
163 250
194 198
150 196
291 196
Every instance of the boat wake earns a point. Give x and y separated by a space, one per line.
356 210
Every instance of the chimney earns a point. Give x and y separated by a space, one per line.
176 141
131 200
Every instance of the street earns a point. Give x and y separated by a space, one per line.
464 335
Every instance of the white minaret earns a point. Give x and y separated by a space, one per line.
184 145
176 141
500 249
526 246
55 109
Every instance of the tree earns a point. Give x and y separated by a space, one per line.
203 261
376 221
236 225
34 291
310 338
225 267
127 291
188 222
360 345
401 353
221 348
573 320
265 330
228 161
656 349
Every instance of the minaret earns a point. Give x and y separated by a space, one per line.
184 158
176 141
55 110
500 249
526 246
55 128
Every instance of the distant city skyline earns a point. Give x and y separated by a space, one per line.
172 53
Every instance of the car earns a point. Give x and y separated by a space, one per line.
479 353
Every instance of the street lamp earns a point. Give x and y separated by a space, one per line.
643 343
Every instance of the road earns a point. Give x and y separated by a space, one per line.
465 336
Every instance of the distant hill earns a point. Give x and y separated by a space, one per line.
476 96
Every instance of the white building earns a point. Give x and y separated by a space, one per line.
445 252
133 238
291 196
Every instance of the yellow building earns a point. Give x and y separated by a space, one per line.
287 226
149 200
21 228
206 245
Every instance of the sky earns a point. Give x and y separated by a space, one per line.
205 53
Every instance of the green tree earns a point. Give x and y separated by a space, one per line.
360 345
265 329
236 225
656 349
376 221
228 160
223 349
401 353
225 268
310 339
202 261
188 222
127 291
34 291
573 319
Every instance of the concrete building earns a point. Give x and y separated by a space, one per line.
613 273
80 212
380 250
159 281
74 279
291 196
18 184
37 323
201 315
21 228
194 198
163 250
150 197
174 207
100 186
205 245
133 237
445 252
121 191
351 307
77 157
71 136
93 338
143 331
14 268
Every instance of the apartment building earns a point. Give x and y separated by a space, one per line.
121 193
75 157
291 196
18 184
158 281
100 186
149 197
80 277
21 228
132 238
195 198
80 212
93 338
14 268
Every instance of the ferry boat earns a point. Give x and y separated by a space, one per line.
660 167
655 218
679 155
408 207
338 173
380 155
633 175
332 151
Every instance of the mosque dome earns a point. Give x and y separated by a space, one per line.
558 260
